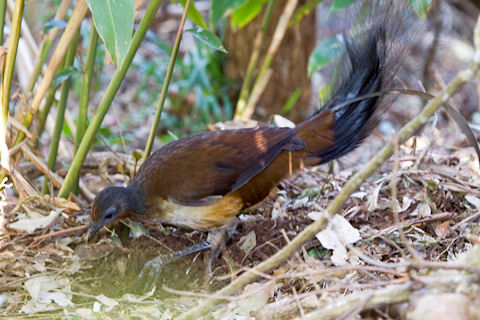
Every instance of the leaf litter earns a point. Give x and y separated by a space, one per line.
438 202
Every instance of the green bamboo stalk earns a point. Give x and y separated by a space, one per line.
3 10
166 82
50 97
104 105
85 95
252 63
7 78
44 50
61 107
86 87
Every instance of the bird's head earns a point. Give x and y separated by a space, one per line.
111 204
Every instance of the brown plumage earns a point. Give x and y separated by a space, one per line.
201 182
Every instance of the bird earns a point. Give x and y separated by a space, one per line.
203 181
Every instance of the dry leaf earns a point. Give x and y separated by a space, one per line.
45 291
248 242
31 224
336 236
373 200
473 200
62 203
442 230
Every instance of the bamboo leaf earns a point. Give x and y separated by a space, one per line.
114 23
54 23
323 54
63 75
246 12
208 38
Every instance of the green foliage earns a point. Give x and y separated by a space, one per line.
305 10
291 101
324 53
54 23
340 4
114 22
246 12
421 7
64 75
221 7
197 78
208 38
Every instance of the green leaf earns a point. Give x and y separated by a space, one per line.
304 10
63 75
220 7
208 38
291 101
323 54
54 23
340 4
246 12
421 7
114 22
194 14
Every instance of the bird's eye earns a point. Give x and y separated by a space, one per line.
110 213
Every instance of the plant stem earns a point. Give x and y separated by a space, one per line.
44 114
7 79
252 63
86 87
61 106
3 10
166 82
107 100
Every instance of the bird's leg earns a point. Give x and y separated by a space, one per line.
151 270
219 238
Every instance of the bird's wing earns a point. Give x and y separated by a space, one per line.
201 169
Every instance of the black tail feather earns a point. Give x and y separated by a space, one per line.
353 122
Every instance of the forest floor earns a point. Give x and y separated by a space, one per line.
438 200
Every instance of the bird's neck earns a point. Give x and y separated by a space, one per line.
136 201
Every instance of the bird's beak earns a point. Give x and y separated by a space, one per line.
94 229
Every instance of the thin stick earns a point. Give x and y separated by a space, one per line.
395 209
166 82
60 232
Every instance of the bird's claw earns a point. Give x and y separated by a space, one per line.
148 277
150 273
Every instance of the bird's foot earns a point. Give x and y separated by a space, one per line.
150 273
218 238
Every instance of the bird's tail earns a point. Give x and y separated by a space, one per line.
334 131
